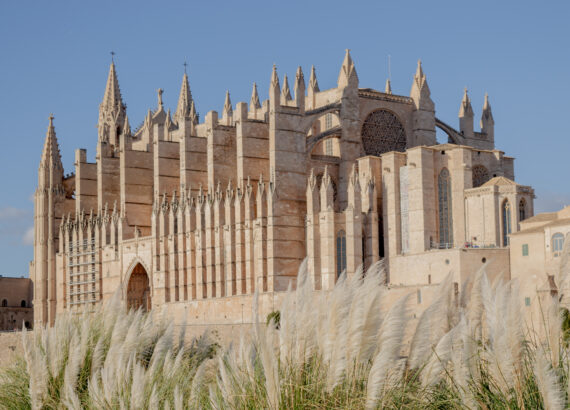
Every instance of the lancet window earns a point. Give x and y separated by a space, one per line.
522 210
340 252
444 202
506 211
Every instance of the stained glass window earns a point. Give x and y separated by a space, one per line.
329 147
340 252
506 222
328 121
383 132
480 175
445 217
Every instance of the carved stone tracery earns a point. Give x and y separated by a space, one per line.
383 132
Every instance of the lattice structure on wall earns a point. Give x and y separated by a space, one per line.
480 175
83 286
383 132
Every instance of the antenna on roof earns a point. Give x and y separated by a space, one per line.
389 68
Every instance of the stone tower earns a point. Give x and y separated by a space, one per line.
424 112
49 194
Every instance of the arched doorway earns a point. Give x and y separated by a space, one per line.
138 289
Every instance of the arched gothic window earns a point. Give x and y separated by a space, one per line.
383 132
4 303
340 252
557 244
522 210
506 211
23 303
444 202
480 175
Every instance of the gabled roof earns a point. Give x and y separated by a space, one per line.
499 181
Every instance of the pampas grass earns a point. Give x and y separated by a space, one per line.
352 347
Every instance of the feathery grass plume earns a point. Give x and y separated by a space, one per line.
563 274
385 371
553 329
434 323
345 320
434 370
548 383
266 341
363 340
339 302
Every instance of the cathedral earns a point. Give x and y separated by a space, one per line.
195 217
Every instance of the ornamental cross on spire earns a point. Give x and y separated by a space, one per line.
185 66
112 56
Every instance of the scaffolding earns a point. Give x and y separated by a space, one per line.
83 287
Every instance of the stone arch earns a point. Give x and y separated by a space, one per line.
138 289
323 126
383 131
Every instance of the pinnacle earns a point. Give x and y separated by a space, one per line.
299 75
313 80
465 109
254 102
274 78
184 100
388 89
419 70
286 92
227 103
486 105
50 154
112 99
347 70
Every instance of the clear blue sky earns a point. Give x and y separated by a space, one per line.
55 56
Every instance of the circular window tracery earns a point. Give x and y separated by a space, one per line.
383 132
480 175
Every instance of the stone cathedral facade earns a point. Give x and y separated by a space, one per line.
196 216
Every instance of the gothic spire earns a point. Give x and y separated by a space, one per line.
313 84
112 100
193 114
388 89
254 102
228 111
347 71
420 92
274 78
487 114
127 127
487 122
285 91
51 158
184 100
465 108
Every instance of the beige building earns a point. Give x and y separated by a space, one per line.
195 216
15 303
536 256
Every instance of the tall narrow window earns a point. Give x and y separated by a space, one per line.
522 210
445 217
557 244
329 147
340 252
328 121
506 222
